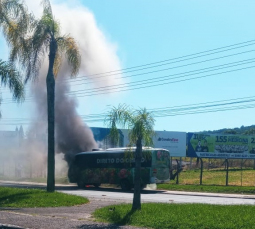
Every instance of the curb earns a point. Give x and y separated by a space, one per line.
9 226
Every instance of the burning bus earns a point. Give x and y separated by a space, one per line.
116 166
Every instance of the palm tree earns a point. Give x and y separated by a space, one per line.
12 14
140 124
10 77
30 50
14 19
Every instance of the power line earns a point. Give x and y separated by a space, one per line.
211 106
104 90
213 103
163 78
85 94
116 87
124 70
165 69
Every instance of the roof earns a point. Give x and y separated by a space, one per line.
118 150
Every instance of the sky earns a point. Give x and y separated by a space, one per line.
156 55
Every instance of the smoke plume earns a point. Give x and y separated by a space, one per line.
98 55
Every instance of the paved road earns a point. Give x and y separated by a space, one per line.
167 197
111 194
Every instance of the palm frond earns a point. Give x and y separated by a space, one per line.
57 63
142 127
10 77
69 46
46 7
117 116
14 19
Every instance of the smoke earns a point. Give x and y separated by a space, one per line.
72 134
98 55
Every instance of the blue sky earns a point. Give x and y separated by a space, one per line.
144 32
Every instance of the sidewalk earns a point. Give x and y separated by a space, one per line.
55 218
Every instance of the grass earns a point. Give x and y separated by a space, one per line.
218 177
29 198
58 180
208 188
214 181
181 216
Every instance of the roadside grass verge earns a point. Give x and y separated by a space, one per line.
30 198
58 180
184 216
208 188
245 177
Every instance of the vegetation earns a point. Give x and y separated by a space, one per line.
236 177
30 198
12 13
140 125
247 130
190 216
208 188
11 77
30 50
58 180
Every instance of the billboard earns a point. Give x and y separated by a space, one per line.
175 142
220 146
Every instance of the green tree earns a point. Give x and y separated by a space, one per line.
229 131
11 77
45 38
250 131
12 14
140 124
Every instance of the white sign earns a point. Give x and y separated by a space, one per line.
173 141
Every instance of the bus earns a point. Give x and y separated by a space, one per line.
116 166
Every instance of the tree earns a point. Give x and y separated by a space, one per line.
10 77
12 14
140 125
45 38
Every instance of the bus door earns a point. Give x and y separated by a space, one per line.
160 166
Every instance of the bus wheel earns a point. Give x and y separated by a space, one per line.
80 184
125 185
97 185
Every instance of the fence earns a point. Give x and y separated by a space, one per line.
238 172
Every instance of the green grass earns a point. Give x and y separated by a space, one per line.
207 188
218 177
29 198
58 180
181 216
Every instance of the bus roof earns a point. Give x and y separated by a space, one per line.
118 150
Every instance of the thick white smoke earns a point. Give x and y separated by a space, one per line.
98 55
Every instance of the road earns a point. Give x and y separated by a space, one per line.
147 195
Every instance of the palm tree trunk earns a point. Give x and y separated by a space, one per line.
50 81
137 180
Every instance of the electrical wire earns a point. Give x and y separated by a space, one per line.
205 107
